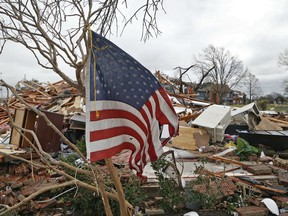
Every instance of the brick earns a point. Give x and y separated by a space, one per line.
275 169
54 174
16 184
255 201
61 179
42 173
12 168
217 189
11 178
27 190
283 177
253 157
22 169
282 202
42 205
252 211
19 196
27 181
260 169
7 199
2 185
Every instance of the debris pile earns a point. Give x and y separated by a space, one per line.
242 151
57 97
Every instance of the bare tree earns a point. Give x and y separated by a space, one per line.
227 71
202 74
285 87
283 58
180 79
252 86
57 34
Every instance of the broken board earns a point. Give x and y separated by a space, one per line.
190 138
19 119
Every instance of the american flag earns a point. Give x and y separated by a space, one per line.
126 107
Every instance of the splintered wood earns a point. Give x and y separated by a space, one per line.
58 97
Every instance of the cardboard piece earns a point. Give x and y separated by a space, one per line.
190 138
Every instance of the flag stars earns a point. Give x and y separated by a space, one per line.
121 78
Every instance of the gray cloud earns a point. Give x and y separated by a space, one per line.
255 31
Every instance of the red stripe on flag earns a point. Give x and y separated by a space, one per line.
115 113
151 151
114 131
107 153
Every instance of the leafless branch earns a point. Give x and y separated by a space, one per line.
283 58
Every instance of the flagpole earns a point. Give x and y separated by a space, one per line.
118 185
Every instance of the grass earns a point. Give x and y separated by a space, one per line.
278 107
271 107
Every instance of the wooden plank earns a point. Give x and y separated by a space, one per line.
19 121
29 124
32 87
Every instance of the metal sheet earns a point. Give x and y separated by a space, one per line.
213 116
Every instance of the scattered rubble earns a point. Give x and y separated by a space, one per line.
207 132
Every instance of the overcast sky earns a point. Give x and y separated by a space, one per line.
255 31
